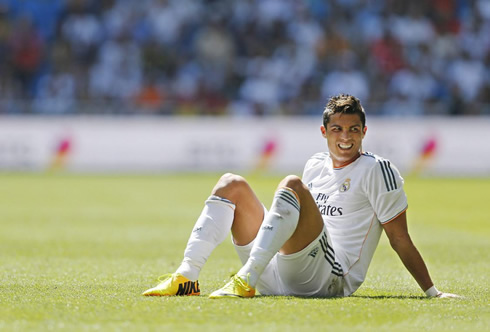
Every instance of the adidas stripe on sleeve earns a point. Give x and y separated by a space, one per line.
385 191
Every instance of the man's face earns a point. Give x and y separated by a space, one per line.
344 134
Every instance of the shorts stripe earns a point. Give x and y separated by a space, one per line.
329 255
337 270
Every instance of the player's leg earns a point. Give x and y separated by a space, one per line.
306 264
292 223
232 205
310 222
249 211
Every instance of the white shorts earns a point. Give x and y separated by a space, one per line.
309 272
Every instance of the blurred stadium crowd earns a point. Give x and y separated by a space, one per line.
243 57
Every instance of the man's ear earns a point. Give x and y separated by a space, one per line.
324 131
364 131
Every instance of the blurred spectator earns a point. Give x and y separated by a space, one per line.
150 99
387 53
466 73
243 57
413 83
346 79
413 27
56 93
26 50
117 72
82 29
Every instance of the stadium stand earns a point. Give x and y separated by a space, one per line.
243 57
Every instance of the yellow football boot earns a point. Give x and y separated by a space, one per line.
236 287
173 285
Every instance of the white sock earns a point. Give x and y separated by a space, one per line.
278 226
211 228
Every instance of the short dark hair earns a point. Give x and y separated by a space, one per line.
345 104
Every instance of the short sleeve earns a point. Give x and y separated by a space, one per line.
315 161
384 188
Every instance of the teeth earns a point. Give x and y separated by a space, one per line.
345 146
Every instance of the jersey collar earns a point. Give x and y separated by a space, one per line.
347 164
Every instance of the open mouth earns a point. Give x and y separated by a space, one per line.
345 146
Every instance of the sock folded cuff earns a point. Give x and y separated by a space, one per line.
291 191
217 199
288 195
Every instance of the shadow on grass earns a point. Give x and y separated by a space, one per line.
373 297
385 297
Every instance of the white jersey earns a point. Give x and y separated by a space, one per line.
354 201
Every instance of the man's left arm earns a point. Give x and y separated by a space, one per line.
400 241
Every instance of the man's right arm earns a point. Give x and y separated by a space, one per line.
400 241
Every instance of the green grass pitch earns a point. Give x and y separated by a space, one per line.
76 251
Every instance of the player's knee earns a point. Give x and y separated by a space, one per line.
229 186
293 182
230 179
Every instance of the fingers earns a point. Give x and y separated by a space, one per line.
442 295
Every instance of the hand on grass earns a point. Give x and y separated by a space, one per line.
442 295
433 292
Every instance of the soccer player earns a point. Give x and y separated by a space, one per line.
320 234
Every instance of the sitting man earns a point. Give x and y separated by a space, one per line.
321 232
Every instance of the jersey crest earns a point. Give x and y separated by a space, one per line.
345 186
